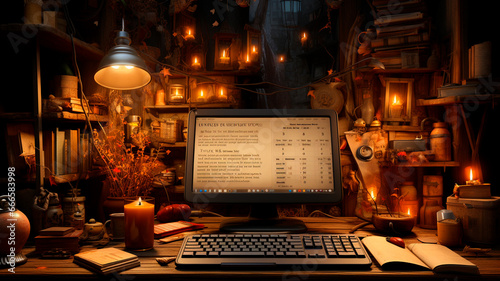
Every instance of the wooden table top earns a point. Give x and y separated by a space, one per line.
52 269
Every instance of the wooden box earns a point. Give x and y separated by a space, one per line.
480 219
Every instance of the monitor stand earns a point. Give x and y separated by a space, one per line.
263 218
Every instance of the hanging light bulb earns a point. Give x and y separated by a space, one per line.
122 68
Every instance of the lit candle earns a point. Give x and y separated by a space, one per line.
282 58
303 40
201 97
396 107
471 180
189 35
196 64
139 223
224 59
176 93
409 213
222 95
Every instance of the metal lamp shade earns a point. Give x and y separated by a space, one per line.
122 69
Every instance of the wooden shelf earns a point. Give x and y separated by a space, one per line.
79 176
187 107
432 164
66 115
457 100
55 39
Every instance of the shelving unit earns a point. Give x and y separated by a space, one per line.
35 41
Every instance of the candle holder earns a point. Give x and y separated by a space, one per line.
398 99
176 93
225 52
139 223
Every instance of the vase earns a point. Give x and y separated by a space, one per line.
12 224
367 108
112 205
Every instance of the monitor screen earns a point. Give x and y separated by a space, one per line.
262 156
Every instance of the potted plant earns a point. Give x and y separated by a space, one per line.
393 223
130 168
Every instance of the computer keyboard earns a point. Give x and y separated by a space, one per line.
273 250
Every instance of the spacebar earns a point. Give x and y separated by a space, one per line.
242 254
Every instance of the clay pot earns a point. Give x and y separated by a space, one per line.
12 224
112 205
393 225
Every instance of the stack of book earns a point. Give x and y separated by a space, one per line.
61 238
403 34
106 260
71 104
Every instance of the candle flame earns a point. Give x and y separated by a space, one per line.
189 31
140 202
396 101
248 58
304 36
176 91
409 213
223 53
254 50
201 93
282 58
221 92
373 195
195 60
470 174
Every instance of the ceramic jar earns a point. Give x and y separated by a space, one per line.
440 139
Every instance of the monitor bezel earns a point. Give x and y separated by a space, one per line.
273 198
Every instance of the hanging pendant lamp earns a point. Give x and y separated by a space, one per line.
122 68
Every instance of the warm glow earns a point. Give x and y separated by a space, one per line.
195 60
189 31
176 91
304 36
409 213
373 195
282 58
248 58
470 174
201 93
139 203
126 66
396 100
221 92
254 49
223 53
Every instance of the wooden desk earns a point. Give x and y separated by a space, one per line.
45 269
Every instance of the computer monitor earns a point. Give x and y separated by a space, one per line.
263 157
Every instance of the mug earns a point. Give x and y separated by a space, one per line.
449 232
115 226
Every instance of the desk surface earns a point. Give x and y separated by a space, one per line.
47 269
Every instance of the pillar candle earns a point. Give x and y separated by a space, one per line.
139 223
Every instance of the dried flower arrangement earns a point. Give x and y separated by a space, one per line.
130 169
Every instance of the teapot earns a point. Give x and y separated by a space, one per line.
93 231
